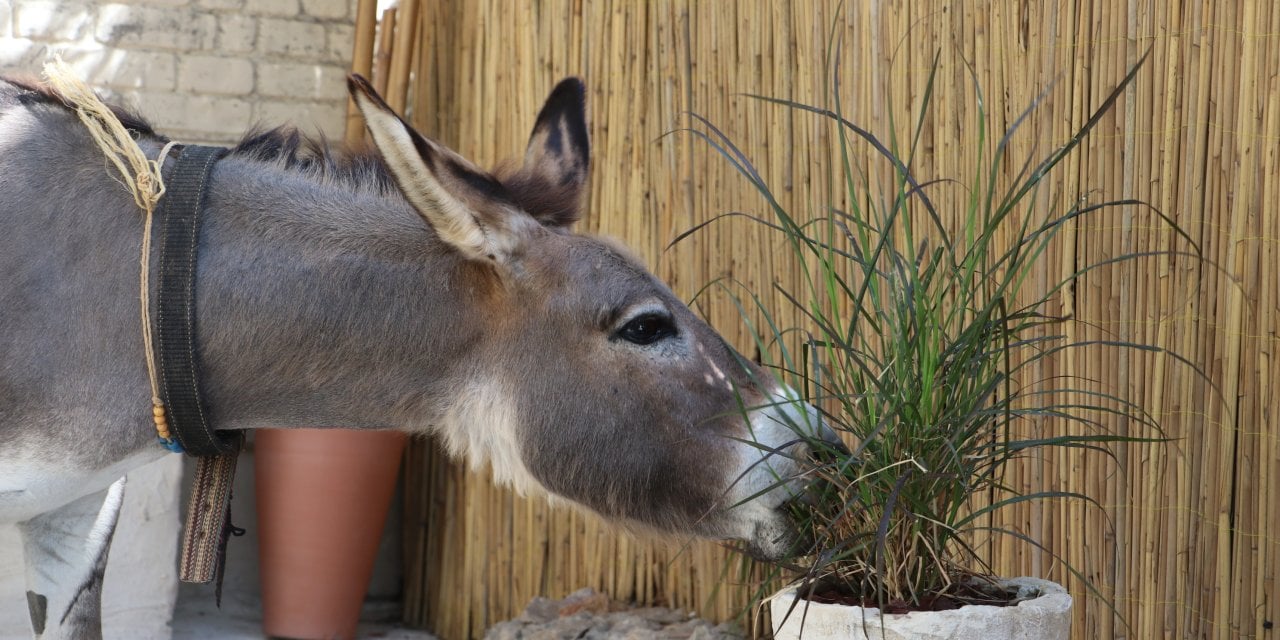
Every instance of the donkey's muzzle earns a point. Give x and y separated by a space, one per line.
779 543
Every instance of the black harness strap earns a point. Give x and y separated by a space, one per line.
179 234
204 538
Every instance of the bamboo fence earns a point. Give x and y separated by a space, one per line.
1187 540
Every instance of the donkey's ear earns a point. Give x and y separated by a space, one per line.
550 184
558 147
467 207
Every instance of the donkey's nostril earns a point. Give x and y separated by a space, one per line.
833 440
780 539
827 447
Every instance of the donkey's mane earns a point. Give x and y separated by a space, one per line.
33 91
355 166
359 166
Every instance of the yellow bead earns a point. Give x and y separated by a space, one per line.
162 422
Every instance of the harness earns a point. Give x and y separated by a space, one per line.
208 522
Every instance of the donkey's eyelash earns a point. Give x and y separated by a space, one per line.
620 316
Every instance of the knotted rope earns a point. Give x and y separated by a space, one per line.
142 177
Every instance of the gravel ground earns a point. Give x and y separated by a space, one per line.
590 615
583 615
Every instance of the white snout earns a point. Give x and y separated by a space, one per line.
768 472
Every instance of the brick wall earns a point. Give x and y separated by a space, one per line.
200 70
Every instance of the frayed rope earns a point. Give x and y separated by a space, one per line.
142 177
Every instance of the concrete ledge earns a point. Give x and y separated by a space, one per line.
1047 617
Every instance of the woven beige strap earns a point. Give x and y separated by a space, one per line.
208 518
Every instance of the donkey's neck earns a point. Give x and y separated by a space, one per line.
324 304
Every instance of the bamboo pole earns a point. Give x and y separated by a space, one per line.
382 57
361 61
406 30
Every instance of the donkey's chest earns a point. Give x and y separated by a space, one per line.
30 486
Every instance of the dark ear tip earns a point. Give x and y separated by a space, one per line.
571 83
570 91
357 84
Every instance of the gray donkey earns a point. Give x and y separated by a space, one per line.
396 288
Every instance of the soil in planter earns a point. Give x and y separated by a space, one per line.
960 595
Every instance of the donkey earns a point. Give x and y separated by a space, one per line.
394 287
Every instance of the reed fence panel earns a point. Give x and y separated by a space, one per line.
1187 540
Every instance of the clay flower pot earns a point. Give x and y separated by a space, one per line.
322 497
1043 617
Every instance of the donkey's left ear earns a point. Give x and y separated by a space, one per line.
554 175
559 148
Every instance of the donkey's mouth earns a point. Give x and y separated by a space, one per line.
777 539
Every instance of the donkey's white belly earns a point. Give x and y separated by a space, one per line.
30 487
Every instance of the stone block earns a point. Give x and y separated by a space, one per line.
55 21
216 75
201 117
291 38
237 33
21 55
327 9
329 118
220 5
6 19
340 41
123 68
300 81
133 26
278 8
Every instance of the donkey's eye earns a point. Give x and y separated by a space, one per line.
647 329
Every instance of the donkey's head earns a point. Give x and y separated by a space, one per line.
593 381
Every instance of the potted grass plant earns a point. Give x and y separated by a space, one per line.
914 336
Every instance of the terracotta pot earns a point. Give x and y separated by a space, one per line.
1047 616
322 498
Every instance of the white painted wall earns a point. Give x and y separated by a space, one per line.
142 574
200 71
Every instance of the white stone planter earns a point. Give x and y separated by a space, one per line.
1047 617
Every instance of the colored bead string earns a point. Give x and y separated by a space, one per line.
162 427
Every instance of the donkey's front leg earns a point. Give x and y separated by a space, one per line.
66 555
